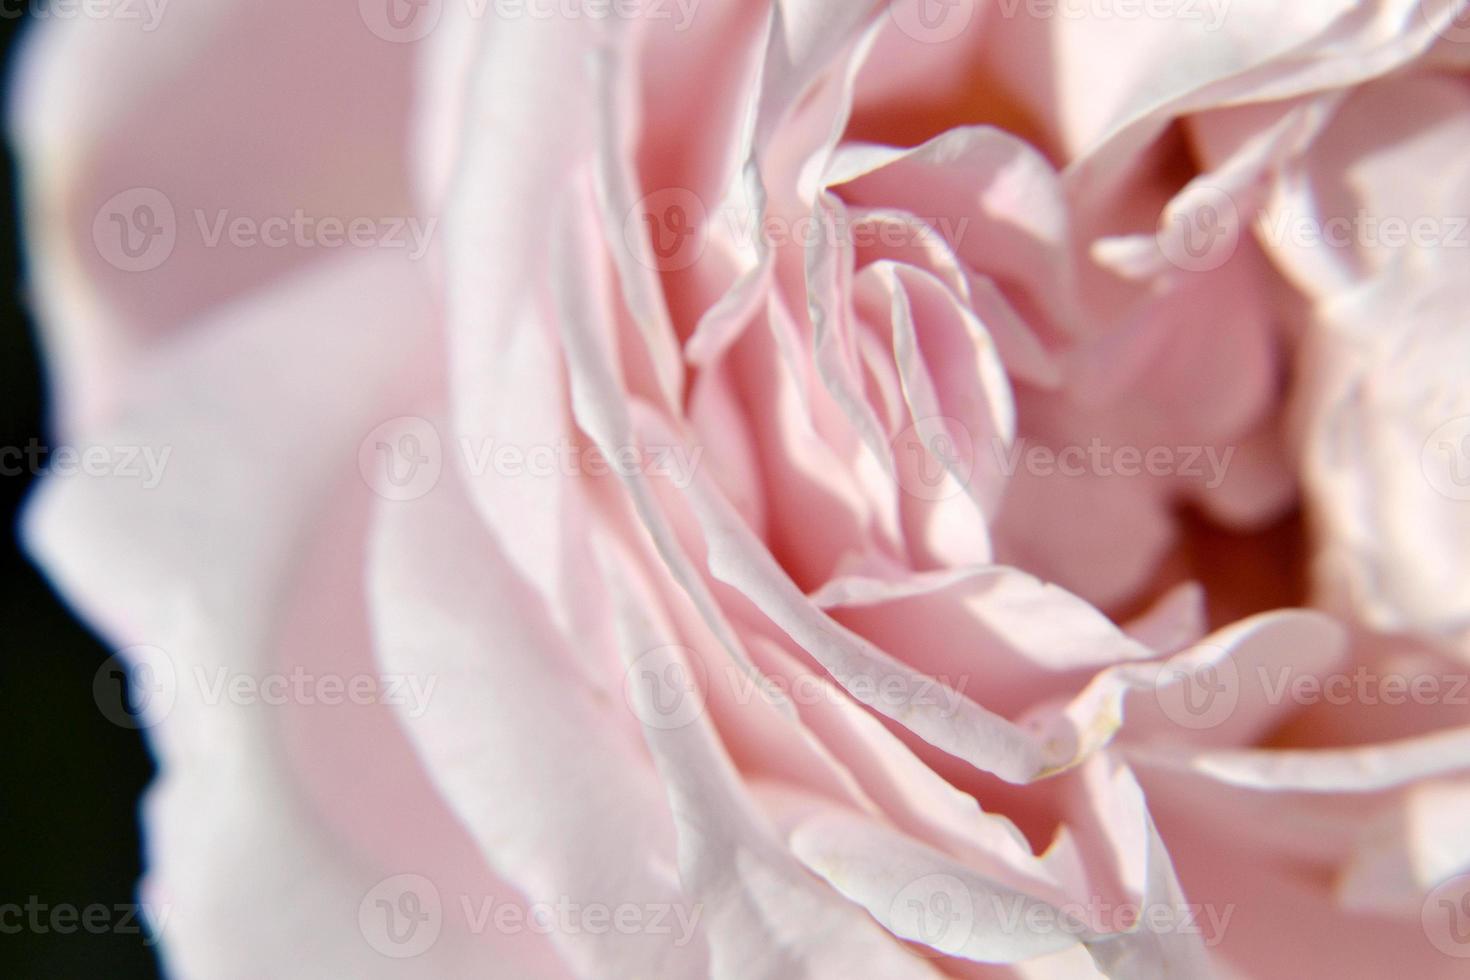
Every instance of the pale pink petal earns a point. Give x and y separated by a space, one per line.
507 383
209 129
447 603
753 891
243 561
925 896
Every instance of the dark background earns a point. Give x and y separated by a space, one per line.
69 779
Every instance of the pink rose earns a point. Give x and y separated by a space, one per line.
674 489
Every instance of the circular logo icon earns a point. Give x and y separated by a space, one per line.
673 223
1446 917
1450 19
1200 689
401 459
1203 233
934 458
136 687
1446 459
935 910
932 21
664 687
136 230
401 916
401 21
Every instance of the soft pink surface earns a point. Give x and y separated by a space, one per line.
820 549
